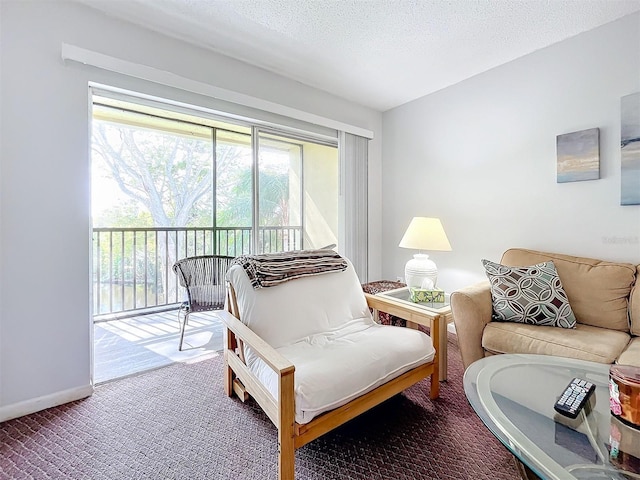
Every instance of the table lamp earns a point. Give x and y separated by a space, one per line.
423 234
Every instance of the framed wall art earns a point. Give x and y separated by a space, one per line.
578 156
630 149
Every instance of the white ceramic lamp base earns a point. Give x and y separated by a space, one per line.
421 272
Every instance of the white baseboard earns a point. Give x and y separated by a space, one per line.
33 405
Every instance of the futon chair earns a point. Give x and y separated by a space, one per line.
309 352
204 279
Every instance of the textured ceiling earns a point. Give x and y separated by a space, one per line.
378 53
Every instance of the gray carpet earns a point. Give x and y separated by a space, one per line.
176 423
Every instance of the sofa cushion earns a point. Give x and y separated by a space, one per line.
631 354
598 291
583 342
532 295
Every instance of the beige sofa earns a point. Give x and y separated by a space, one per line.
604 296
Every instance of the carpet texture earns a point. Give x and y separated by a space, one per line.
176 423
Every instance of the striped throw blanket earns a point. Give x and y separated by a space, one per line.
272 269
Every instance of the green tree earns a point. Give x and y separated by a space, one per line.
167 178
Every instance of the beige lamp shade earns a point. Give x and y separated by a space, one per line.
423 234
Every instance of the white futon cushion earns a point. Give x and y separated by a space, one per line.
334 368
287 313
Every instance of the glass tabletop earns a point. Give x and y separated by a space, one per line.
403 295
514 396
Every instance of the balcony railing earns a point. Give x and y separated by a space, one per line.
132 267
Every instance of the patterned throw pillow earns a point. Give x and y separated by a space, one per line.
532 295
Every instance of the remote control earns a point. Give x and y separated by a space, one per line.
574 397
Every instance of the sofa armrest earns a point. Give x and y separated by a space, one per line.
471 308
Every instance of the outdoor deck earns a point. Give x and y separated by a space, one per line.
132 274
145 342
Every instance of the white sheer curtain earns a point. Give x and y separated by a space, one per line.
354 200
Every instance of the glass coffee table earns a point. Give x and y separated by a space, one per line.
422 313
514 395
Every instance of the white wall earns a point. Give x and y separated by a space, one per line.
481 155
45 314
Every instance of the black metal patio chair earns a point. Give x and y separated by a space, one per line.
204 279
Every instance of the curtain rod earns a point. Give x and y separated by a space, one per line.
163 77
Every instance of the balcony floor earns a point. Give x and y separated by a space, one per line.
132 345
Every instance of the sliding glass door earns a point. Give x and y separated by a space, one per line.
279 194
172 184
233 199
296 193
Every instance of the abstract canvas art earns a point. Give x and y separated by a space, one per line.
578 156
630 149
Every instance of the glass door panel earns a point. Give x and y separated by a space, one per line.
321 195
297 193
279 215
234 192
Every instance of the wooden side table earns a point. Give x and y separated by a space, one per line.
380 286
417 314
